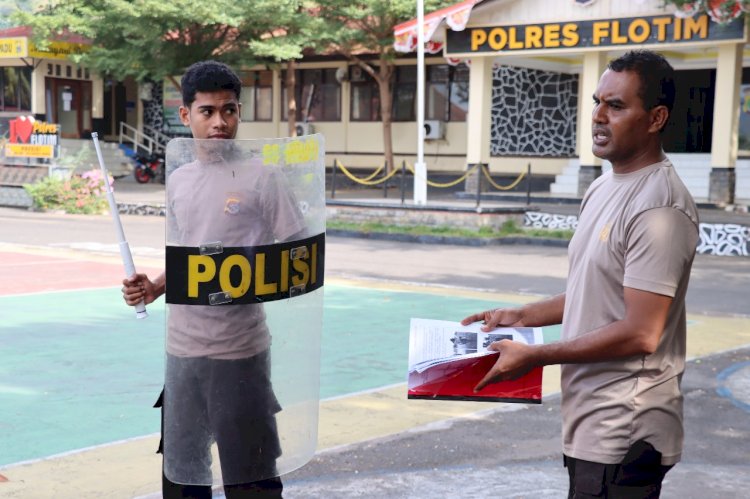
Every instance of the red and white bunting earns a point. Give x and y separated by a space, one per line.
456 16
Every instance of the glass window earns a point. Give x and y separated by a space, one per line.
405 94
365 103
317 94
263 103
459 96
257 95
15 89
446 93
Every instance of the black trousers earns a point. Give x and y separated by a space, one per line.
638 476
270 488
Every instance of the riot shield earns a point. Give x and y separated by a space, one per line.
244 267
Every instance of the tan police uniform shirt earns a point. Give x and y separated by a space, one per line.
237 204
636 230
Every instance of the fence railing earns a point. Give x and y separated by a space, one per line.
373 179
138 139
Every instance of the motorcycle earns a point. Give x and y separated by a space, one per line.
148 167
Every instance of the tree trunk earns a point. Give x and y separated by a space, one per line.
386 105
174 82
291 101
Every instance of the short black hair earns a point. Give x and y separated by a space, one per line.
208 76
655 73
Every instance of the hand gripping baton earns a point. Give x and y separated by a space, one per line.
127 257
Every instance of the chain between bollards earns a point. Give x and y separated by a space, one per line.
528 184
385 183
403 181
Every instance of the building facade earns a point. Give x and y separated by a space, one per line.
509 84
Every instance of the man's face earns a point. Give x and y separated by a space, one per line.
212 115
621 127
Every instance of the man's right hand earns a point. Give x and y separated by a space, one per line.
139 287
499 317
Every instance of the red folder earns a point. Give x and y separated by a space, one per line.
455 380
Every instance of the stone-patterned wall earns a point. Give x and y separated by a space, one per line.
153 110
533 113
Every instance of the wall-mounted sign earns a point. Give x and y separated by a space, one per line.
13 47
28 138
23 47
652 30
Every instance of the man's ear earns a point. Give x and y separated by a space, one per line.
185 116
658 118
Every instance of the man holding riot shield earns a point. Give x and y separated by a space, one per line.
240 247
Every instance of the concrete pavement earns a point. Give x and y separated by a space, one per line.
378 444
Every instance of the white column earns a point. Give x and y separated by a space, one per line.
593 67
38 90
726 106
480 111
724 138
420 168
97 97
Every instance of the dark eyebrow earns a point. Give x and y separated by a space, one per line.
615 102
610 102
225 106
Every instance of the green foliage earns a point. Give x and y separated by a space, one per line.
79 194
507 229
9 8
368 24
156 39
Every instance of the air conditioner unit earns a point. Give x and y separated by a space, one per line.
434 129
304 129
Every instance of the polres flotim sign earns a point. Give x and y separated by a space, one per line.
650 30
29 138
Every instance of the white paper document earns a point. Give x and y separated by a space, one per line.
433 342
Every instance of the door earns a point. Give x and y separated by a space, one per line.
71 106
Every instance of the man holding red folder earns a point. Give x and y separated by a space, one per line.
623 312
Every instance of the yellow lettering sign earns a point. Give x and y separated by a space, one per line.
601 31
13 47
239 274
303 272
478 38
570 35
639 31
617 38
201 268
245 273
261 286
29 150
696 25
513 43
552 35
534 37
498 38
661 24
595 33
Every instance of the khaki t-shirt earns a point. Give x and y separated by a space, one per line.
237 204
636 230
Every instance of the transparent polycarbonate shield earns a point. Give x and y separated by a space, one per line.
244 269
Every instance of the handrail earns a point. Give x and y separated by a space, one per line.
147 143
161 137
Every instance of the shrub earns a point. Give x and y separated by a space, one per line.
81 194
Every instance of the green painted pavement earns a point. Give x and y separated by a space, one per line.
79 370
